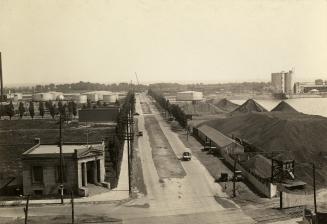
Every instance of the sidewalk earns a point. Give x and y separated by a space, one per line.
118 194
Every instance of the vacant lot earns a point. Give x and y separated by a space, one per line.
165 160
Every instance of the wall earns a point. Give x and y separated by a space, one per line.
49 186
109 114
292 199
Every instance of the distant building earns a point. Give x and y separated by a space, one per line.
47 96
15 96
189 96
307 87
319 82
110 98
103 115
282 82
82 164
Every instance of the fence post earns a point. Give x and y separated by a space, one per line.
72 201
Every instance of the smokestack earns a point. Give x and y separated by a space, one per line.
1 81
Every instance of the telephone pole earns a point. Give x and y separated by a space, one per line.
314 187
61 163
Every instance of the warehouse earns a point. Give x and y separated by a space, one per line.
223 143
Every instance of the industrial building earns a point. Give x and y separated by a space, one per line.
110 98
310 87
82 164
282 82
76 97
47 96
189 96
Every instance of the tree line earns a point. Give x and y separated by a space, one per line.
65 109
172 109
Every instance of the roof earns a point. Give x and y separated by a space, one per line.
190 92
66 149
216 136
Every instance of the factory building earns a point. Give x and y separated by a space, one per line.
307 87
110 98
282 82
189 96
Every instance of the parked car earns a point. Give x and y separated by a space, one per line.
187 156
223 177
140 133
136 114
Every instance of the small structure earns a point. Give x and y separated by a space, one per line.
82 164
42 97
110 98
106 114
189 96
15 96
217 139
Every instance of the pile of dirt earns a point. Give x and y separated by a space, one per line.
249 106
225 105
200 108
300 135
284 107
260 165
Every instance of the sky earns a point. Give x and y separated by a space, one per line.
107 41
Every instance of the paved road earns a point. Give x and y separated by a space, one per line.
190 199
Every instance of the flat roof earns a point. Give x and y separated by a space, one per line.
54 149
216 136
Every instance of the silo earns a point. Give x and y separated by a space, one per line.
288 82
110 98
277 82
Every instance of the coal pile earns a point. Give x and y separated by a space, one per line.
284 107
225 104
249 106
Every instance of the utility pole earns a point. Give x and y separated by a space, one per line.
314 187
72 201
61 163
128 154
234 178
26 208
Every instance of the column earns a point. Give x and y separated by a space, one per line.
95 172
84 174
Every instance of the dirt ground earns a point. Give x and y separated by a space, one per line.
165 160
137 179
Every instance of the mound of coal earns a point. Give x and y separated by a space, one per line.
259 165
284 107
201 108
225 105
249 106
301 136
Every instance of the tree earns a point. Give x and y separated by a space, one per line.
31 109
74 108
60 106
41 109
10 110
89 103
52 110
21 109
70 108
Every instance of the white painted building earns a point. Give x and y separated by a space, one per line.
110 98
189 96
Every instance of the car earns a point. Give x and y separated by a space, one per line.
136 114
187 156
140 133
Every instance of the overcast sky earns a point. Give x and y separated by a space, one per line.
107 41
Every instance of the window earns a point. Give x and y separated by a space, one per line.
58 174
37 174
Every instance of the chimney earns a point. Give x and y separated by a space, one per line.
37 141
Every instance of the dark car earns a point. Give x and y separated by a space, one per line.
140 133
187 156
